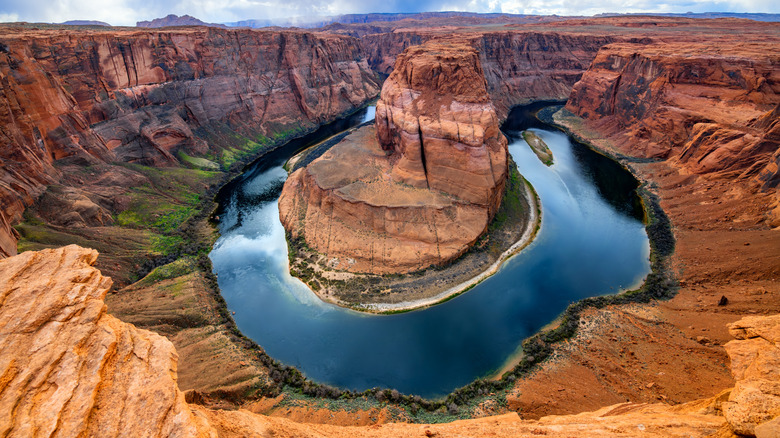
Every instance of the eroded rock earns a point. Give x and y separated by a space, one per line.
70 369
146 97
754 404
423 188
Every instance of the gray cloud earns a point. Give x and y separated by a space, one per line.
127 12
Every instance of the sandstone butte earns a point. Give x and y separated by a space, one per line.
70 369
424 189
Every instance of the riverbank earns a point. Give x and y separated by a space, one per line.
529 232
156 251
513 228
637 348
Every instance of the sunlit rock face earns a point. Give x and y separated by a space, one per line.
71 369
419 188
437 120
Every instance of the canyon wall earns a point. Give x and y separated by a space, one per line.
709 109
148 97
520 66
425 188
70 369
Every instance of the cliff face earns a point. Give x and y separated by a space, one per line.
147 96
69 369
424 189
710 110
435 116
525 66
519 66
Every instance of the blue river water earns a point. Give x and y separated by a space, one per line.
592 242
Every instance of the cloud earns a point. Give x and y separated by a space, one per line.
127 12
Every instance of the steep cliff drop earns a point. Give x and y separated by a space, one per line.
710 111
70 369
421 189
195 97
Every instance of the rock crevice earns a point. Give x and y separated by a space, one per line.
420 186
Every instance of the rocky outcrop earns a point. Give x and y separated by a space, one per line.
436 119
710 111
70 369
424 189
753 407
147 96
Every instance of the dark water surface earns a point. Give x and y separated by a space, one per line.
592 242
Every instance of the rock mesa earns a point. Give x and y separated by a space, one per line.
425 188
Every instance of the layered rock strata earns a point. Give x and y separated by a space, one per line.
424 189
709 109
148 97
70 369
519 65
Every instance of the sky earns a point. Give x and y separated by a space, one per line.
128 12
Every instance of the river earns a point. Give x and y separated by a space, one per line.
591 242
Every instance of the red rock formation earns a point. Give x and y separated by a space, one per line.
69 368
432 188
436 117
142 96
520 66
711 109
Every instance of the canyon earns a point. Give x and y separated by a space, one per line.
90 98
689 106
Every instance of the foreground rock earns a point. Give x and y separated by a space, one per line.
422 191
753 408
70 369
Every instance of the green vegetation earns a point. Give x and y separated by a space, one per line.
177 268
511 208
539 147
198 162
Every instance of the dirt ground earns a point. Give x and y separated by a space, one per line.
671 350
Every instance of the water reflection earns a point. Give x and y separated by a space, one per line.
587 246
